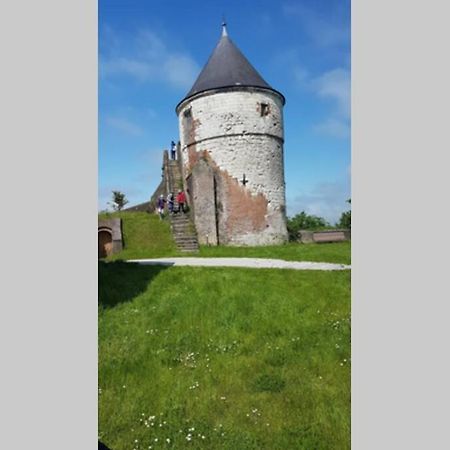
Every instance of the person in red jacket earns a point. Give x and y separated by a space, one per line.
181 200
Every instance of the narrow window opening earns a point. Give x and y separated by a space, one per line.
264 109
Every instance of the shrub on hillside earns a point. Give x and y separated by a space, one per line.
303 221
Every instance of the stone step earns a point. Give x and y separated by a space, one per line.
179 218
180 226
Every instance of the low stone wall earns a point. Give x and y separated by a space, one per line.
142 207
308 236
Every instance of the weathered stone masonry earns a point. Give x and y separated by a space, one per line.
228 130
231 135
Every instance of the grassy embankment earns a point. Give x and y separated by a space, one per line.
223 358
145 236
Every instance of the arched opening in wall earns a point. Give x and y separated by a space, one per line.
104 242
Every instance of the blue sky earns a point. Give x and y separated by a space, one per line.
150 53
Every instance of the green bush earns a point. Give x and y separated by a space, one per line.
304 221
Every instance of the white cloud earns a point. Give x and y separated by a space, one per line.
334 88
333 127
325 199
335 85
323 31
301 75
181 70
148 59
124 125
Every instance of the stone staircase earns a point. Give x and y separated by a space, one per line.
184 233
183 229
175 182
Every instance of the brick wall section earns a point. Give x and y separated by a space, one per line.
236 138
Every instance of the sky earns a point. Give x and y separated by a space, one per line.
151 52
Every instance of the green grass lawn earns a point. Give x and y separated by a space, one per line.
145 236
223 358
337 252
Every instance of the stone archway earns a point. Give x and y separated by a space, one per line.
105 244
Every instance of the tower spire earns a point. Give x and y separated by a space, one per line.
224 27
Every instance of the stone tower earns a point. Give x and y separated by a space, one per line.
231 151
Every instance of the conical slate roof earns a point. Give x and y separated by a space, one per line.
227 67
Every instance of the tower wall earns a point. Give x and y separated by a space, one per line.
238 131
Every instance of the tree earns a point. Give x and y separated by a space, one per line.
303 221
119 200
345 220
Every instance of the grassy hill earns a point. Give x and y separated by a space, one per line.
145 236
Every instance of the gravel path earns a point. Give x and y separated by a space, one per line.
259 263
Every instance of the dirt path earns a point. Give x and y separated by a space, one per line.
259 263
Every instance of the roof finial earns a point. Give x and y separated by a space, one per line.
224 27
